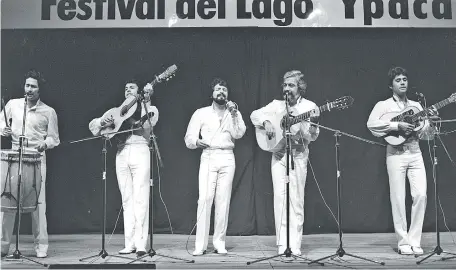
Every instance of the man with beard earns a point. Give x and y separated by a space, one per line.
214 129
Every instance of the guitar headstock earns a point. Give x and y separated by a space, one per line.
341 103
167 74
452 98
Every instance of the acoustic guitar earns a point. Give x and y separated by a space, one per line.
128 107
276 143
411 115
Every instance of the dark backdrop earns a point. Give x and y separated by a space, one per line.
86 70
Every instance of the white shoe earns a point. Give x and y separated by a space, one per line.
405 250
296 252
221 251
417 250
127 251
199 252
41 254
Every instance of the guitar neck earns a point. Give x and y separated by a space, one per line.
437 106
306 115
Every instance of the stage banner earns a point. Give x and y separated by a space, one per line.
24 14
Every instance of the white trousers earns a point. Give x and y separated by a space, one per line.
297 183
39 222
133 174
215 181
398 167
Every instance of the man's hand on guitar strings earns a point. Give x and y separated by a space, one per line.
107 121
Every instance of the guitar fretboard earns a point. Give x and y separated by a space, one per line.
304 116
424 112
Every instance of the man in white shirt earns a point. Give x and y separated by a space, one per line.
133 168
302 134
402 160
219 125
41 132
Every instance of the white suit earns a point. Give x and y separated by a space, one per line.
133 174
216 171
402 160
302 135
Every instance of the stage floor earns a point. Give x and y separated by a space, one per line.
68 249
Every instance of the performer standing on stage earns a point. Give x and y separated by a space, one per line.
41 132
133 169
302 134
402 160
219 125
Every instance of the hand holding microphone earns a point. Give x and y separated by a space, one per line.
232 108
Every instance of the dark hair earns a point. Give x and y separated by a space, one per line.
34 74
134 81
218 81
395 71
302 85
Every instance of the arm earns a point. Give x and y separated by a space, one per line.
237 126
3 130
259 116
306 130
193 130
52 138
379 127
95 126
153 119
428 131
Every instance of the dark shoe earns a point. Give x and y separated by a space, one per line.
140 253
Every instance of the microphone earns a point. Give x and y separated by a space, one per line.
286 93
230 105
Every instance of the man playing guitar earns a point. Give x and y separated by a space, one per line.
302 133
133 166
402 160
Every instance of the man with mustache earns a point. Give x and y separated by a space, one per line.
294 89
219 125
42 133
402 160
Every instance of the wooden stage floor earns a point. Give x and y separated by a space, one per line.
66 250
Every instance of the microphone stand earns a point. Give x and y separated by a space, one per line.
340 251
103 253
154 145
438 249
17 254
287 251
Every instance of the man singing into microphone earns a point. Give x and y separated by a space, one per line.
402 160
219 125
294 88
41 132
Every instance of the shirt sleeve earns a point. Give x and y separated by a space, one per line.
95 126
52 138
193 130
153 119
259 116
238 127
305 130
378 127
